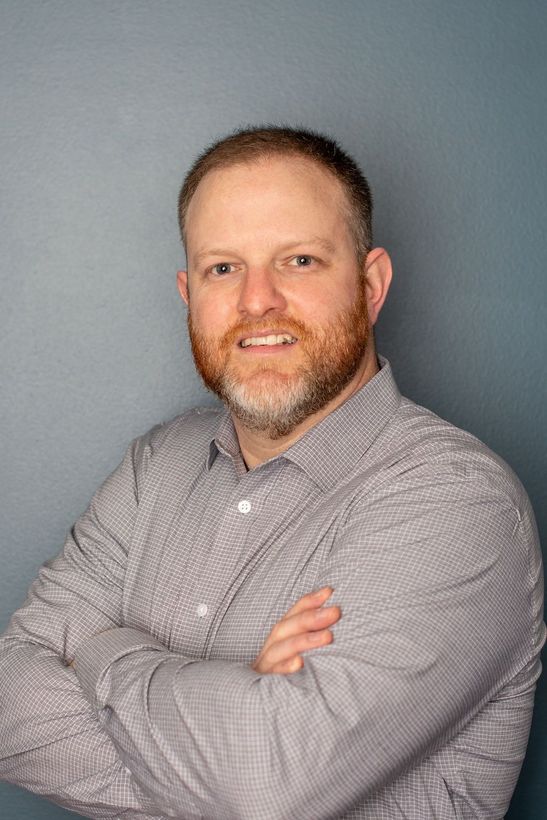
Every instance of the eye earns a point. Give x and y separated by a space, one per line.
221 268
302 261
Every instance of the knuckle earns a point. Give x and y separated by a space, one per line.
276 632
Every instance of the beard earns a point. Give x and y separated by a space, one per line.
273 399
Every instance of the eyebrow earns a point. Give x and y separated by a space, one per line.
314 240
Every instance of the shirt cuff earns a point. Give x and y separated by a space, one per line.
95 655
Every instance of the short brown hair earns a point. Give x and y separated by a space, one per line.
248 144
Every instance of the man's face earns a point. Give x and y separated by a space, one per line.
277 303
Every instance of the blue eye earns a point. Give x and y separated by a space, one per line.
221 268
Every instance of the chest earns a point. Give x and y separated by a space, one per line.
216 561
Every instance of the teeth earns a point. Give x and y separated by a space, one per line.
283 339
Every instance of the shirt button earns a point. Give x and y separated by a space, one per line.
202 610
244 506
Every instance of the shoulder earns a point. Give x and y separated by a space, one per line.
425 475
417 445
184 439
196 425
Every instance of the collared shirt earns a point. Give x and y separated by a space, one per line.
171 581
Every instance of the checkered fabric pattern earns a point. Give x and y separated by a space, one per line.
170 582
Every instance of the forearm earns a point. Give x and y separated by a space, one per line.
215 739
51 742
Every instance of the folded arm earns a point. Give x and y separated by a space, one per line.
434 587
51 740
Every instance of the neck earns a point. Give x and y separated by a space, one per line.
257 447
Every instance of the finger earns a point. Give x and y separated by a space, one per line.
302 622
287 667
310 601
284 651
306 615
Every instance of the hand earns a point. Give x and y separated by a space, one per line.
305 626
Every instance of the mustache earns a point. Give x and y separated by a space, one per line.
279 324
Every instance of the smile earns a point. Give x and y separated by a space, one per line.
255 341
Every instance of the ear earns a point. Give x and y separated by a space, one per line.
182 284
378 274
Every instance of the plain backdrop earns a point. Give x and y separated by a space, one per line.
104 105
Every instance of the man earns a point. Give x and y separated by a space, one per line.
173 661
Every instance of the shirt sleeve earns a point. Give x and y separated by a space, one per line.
439 580
50 739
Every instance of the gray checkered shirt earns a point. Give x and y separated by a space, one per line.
170 582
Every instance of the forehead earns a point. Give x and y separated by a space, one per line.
274 194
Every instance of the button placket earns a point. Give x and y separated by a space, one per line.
252 490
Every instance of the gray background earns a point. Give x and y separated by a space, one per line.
104 105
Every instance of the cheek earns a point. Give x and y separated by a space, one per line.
210 315
317 306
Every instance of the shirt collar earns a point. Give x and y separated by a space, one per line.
329 451
224 441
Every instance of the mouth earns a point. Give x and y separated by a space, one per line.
270 340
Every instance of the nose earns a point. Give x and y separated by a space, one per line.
260 293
